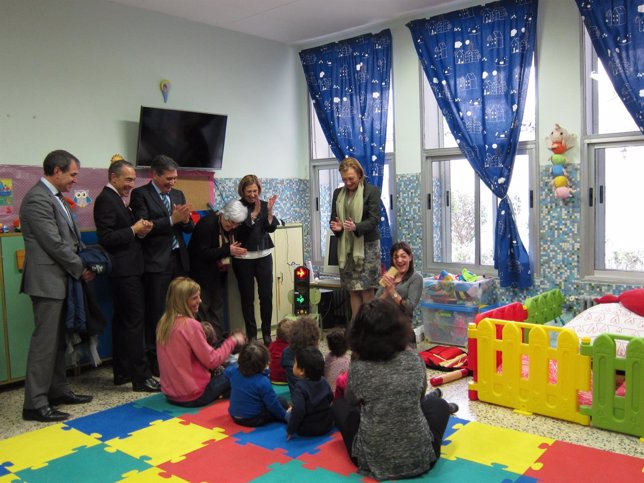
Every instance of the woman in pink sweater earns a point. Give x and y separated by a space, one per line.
189 366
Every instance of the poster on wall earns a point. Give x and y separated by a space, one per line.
6 196
16 180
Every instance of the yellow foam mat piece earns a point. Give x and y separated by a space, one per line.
37 448
488 445
153 475
164 440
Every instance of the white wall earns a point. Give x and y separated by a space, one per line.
73 74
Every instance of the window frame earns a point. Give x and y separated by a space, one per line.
432 125
592 217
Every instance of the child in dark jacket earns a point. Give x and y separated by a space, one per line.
310 413
304 332
253 401
276 348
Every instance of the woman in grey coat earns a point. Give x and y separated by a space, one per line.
391 429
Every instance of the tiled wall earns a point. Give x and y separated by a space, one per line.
292 204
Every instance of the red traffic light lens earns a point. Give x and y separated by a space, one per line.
302 273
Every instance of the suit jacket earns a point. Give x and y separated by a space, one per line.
146 203
205 249
114 222
52 243
254 236
368 227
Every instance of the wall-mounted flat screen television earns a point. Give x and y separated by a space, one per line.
195 140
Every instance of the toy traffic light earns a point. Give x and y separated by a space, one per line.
301 291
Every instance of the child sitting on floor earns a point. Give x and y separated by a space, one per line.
304 333
276 348
253 401
337 360
310 413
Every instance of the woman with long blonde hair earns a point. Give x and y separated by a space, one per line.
187 362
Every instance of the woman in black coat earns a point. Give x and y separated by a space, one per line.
257 263
355 214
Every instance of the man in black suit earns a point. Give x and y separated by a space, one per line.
52 243
164 250
120 233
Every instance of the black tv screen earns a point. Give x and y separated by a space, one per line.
193 139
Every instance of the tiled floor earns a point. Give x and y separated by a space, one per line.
98 381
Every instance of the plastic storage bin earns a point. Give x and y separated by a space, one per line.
446 323
455 292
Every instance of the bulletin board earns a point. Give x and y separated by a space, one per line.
17 180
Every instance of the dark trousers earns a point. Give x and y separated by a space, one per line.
156 286
46 376
347 420
219 386
247 271
262 418
128 329
212 302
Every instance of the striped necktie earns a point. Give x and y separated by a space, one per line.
60 196
166 202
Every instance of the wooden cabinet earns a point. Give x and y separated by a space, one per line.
287 254
17 313
17 316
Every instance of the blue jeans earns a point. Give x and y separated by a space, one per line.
219 385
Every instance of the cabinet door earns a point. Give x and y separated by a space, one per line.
288 254
20 316
4 357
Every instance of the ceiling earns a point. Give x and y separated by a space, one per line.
289 21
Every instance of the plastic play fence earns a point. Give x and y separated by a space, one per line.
500 349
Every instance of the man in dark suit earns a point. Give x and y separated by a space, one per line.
52 243
164 251
120 233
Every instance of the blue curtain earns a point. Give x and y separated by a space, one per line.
477 61
616 29
349 85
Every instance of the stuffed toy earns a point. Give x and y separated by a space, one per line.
560 140
564 192
632 300
560 181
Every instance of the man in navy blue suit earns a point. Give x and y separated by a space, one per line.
165 255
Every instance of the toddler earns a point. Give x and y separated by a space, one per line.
253 401
310 413
337 360
276 348
304 333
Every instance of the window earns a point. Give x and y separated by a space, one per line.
612 167
325 178
461 211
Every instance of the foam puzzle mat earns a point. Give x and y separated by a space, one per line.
152 441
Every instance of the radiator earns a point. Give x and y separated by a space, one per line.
585 302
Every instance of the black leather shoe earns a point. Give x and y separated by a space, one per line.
267 339
45 414
70 398
120 380
149 385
